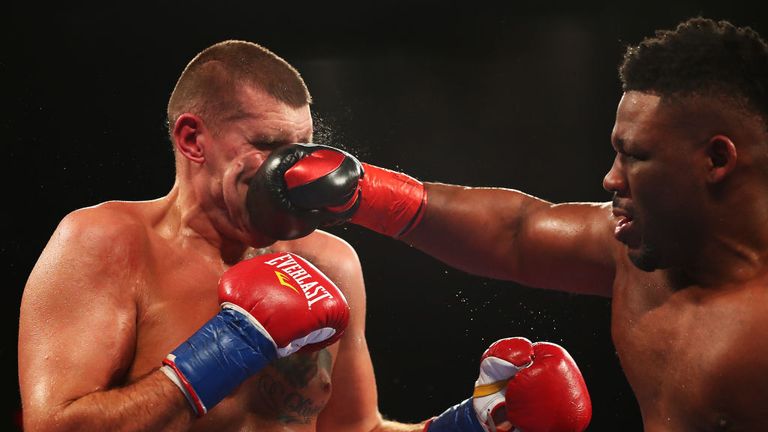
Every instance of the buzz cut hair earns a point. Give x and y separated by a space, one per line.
209 84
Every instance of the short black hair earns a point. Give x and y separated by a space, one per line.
701 57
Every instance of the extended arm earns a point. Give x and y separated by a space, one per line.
493 232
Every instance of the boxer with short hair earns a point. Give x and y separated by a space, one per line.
682 249
184 313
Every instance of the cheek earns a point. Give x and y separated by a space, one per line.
219 158
667 202
250 161
650 188
244 165
652 195
652 181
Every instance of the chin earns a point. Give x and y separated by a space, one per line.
258 240
646 259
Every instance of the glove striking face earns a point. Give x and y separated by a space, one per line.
301 187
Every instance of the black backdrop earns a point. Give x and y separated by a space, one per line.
473 93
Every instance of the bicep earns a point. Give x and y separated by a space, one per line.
77 320
507 234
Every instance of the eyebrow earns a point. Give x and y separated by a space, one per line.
240 114
619 144
277 139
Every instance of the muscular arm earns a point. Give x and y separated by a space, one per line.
77 334
498 233
506 234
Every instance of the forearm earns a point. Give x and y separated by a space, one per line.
151 403
474 229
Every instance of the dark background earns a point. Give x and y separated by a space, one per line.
473 93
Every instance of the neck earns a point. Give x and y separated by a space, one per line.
197 222
734 249
725 261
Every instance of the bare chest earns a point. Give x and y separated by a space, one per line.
695 358
286 395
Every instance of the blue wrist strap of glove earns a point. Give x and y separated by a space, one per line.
458 418
227 350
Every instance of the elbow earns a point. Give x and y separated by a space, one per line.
58 419
48 422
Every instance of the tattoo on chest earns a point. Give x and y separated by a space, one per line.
286 391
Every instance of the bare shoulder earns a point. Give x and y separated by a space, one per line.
593 220
597 215
112 225
578 239
108 240
322 247
332 254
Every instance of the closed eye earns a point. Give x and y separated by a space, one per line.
622 149
632 156
266 144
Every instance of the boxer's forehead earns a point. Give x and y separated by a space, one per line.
636 112
679 122
645 121
267 119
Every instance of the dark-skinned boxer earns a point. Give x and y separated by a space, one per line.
681 249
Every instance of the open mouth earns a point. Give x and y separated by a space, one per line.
625 230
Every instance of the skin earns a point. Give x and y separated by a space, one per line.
122 284
687 276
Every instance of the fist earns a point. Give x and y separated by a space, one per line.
294 302
301 187
534 387
271 306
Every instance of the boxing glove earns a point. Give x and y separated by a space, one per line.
271 306
301 187
522 386
549 394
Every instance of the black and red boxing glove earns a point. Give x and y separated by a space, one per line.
301 187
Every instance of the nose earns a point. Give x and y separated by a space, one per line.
615 180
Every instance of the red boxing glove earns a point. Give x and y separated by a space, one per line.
550 394
303 302
271 306
300 187
538 385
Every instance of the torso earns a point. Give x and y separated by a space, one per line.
696 358
178 295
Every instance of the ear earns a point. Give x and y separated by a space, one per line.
186 137
721 152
